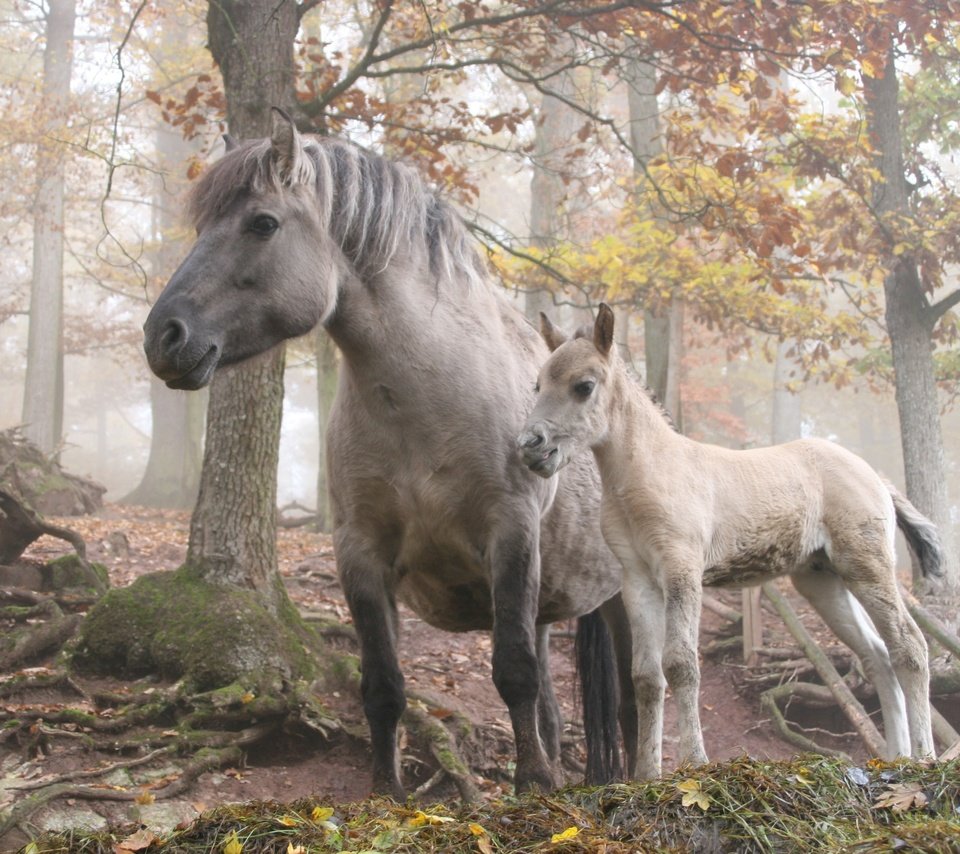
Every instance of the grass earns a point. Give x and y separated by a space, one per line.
808 804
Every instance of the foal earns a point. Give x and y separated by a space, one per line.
680 514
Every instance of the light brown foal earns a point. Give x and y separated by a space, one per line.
680 514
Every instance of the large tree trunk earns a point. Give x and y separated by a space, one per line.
233 530
43 390
910 323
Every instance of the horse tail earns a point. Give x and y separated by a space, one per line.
920 533
597 672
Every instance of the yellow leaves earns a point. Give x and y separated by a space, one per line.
901 797
145 797
483 841
321 813
232 845
288 821
693 794
846 84
295 849
564 835
420 818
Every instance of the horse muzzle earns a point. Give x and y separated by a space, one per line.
179 356
538 454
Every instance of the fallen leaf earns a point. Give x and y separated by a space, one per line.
143 838
145 797
288 821
564 835
321 813
421 818
232 845
693 795
295 849
901 797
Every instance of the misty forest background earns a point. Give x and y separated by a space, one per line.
769 197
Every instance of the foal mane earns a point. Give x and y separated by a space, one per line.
371 206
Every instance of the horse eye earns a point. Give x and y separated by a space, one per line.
264 225
584 388
536 388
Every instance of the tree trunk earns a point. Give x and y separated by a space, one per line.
910 323
663 326
233 529
43 390
172 476
556 125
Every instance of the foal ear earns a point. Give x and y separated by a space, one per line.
230 142
551 334
291 162
603 329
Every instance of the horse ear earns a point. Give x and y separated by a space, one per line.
603 329
551 334
292 164
230 142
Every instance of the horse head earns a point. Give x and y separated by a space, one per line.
263 268
571 412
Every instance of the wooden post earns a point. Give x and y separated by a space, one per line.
752 624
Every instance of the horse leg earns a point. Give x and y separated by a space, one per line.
516 669
845 616
681 665
374 614
615 615
644 604
907 647
548 709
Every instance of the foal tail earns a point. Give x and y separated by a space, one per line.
921 534
597 672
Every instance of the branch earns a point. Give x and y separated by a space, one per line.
940 308
851 706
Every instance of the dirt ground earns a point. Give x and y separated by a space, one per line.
453 670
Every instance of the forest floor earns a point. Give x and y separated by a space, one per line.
452 670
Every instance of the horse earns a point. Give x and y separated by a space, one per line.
430 506
680 514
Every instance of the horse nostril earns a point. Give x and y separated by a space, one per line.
174 335
532 440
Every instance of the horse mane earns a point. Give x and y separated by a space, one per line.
371 206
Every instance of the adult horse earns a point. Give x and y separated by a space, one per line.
681 514
430 506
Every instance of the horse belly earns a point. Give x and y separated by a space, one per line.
748 567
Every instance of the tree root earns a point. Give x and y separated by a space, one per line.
38 639
771 701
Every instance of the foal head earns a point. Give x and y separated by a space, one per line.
264 267
573 390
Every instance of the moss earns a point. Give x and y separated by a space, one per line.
179 626
68 571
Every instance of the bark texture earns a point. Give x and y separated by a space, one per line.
43 390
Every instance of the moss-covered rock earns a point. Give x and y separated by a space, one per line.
178 626
69 572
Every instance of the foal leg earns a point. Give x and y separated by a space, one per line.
362 575
907 647
515 572
681 664
845 616
644 604
548 709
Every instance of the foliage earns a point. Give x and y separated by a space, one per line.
809 804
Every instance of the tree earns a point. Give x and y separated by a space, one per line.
911 319
43 391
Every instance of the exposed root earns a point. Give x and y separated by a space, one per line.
37 639
773 699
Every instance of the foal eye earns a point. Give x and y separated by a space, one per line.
536 388
584 388
264 225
